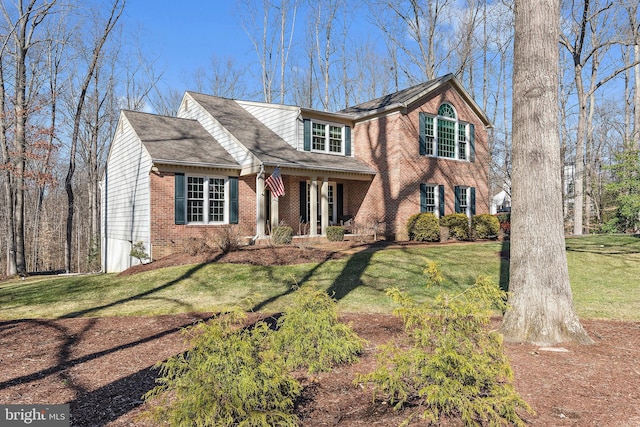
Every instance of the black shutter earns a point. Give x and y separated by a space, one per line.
179 199
472 143
457 195
303 201
423 197
340 200
472 201
233 200
307 135
441 204
423 137
347 141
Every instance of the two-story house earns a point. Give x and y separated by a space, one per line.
170 179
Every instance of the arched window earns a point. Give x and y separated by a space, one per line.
442 135
446 110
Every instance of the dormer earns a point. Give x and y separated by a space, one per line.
327 133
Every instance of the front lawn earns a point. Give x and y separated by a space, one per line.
604 270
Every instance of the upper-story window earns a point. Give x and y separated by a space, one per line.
325 137
442 135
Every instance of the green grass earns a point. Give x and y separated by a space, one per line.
604 270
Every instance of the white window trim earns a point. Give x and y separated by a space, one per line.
327 137
467 209
206 200
436 198
456 130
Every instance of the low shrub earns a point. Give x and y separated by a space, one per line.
423 227
282 235
411 222
505 223
228 239
230 377
485 226
335 233
309 334
139 251
458 225
450 364
196 245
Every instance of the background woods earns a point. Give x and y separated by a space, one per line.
67 68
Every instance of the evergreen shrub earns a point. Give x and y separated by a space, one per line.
230 377
450 365
423 227
335 233
485 226
458 225
310 336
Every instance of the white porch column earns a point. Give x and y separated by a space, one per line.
324 206
275 213
313 207
260 205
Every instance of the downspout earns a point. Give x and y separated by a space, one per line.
104 207
260 173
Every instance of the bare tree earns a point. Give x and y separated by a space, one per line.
272 40
634 26
541 303
96 53
23 22
585 49
224 78
324 15
423 23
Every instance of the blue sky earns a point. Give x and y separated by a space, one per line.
186 34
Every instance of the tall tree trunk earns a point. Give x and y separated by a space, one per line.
541 303
116 11
12 268
636 95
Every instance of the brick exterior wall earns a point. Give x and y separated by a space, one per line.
167 237
390 144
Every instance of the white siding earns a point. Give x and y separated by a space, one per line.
125 198
190 109
280 119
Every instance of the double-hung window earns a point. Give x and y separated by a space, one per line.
442 135
432 199
328 138
465 200
207 200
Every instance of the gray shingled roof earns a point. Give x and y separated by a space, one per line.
399 98
406 97
171 140
266 145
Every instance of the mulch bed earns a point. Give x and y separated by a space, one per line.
102 367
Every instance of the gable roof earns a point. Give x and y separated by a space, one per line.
175 141
406 97
265 145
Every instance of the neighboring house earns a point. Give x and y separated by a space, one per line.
501 202
168 180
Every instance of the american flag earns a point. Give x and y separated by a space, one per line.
275 184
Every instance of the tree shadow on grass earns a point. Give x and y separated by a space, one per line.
350 277
186 275
505 251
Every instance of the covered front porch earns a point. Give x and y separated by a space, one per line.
313 200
